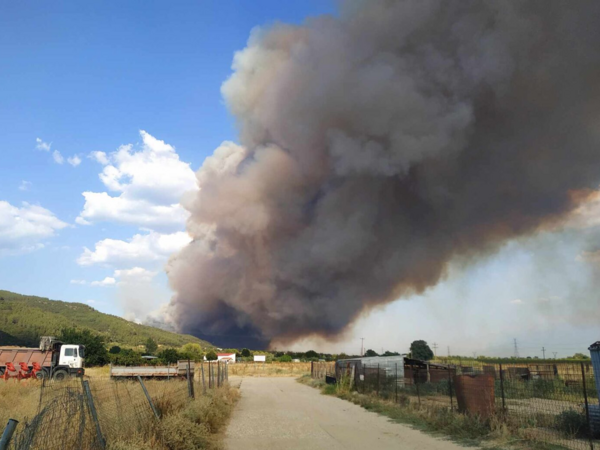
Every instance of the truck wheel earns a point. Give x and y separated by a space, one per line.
60 375
41 375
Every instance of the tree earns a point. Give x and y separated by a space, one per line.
126 357
285 358
192 351
115 349
579 356
245 352
420 350
95 351
371 353
311 354
151 346
211 356
388 353
169 355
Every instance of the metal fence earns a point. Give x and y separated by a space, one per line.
555 404
87 414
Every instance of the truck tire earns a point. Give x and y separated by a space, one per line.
41 375
60 375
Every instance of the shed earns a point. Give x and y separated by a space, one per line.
359 368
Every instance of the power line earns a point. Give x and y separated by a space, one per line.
544 352
516 349
435 346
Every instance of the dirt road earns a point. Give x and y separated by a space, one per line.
280 413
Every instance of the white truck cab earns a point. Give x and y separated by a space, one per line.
71 356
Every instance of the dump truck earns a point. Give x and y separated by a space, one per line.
52 359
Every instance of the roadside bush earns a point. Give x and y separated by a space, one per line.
572 423
180 434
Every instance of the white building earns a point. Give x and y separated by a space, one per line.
226 357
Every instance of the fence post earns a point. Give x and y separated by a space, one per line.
396 383
450 388
154 410
11 426
90 403
417 385
587 408
189 381
312 369
203 381
502 388
218 373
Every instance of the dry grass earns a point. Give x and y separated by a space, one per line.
493 433
18 400
126 420
269 369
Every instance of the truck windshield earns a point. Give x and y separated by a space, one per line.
82 351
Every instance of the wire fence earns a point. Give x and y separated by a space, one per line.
555 403
88 414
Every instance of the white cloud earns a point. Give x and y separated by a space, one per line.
140 249
516 301
108 281
99 206
78 282
135 275
25 185
150 181
58 158
41 145
74 160
99 157
23 229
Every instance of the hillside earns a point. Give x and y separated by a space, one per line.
23 319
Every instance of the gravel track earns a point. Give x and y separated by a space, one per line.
280 413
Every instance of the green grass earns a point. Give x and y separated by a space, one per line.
23 319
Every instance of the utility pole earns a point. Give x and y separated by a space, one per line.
448 351
474 354
362 347
516 349
435 346
554 353
544 352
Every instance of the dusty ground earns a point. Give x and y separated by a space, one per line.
280 413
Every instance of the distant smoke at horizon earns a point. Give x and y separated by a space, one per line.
376 148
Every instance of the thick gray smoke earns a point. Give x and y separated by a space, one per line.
378 146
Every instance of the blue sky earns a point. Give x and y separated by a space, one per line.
81 78
87 77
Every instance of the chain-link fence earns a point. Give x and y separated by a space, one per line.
551 403
88 414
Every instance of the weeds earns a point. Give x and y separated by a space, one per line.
494 433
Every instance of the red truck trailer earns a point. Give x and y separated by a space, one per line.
56 360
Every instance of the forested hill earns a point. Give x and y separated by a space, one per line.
23 319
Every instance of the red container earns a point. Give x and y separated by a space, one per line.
475 394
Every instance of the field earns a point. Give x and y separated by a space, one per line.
274 369
58 415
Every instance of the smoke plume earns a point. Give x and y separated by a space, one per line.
378 146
